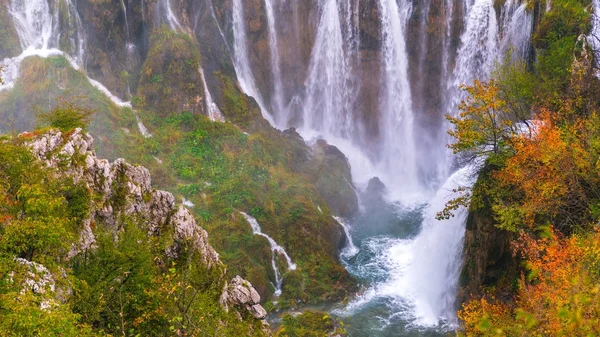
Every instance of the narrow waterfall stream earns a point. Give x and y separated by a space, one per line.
276 251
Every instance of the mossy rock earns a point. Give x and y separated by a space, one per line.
170 81
9 39
310 324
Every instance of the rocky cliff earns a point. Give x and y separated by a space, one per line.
120 190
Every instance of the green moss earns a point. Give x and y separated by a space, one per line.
170 81
310 324
9 40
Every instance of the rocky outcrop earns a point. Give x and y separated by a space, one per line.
124 189
488 259
329 169
240 293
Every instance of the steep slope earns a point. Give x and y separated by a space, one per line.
125 236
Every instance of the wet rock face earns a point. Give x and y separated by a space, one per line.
115 43
488 259
330 170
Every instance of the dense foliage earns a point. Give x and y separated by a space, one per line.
126 286
537 130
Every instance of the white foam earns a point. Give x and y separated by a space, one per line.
350 250
275 249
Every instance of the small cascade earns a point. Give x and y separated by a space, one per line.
350 250
166 15
35 24
214 113
127 31
241 61
275 248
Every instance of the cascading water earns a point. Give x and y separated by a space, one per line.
397 122
241 61
166 15
278 99
350 250
412 262
34 23
329 98
594 38
213 111
517 26
478 50
276 250
39 35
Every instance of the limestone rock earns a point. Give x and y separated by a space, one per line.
242 294
124 189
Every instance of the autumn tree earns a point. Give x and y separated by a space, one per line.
484 125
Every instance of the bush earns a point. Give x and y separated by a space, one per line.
68 114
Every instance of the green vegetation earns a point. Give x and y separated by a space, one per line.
67 115
126 286
170 78
310 324
224 171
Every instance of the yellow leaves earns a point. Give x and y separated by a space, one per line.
484 124
560 299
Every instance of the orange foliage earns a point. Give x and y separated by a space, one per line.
547 173
558 297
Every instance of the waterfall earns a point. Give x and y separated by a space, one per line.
35 24
350 249
594 37
478 47
278 99
276 251
38 31
127 33
241 59
432 276
166 15
421 274
517 27
329 101
213 111
397 121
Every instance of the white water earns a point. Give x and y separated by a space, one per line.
167 15
329 97
34 23
276 251
422 273
397 123
350 250
478 50
214 113
594 38
278 99
517 27
38 31
241 59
